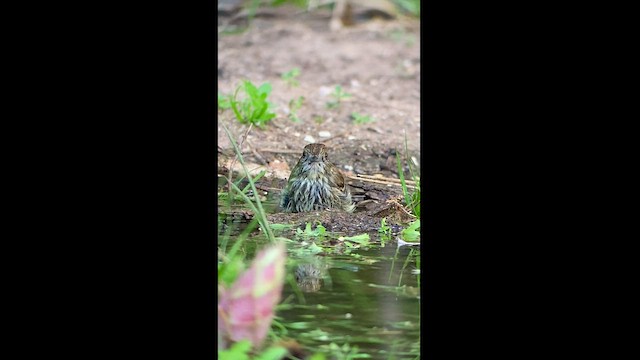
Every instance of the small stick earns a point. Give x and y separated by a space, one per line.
408 182
405 210
257 154
334 136
282 151
378 181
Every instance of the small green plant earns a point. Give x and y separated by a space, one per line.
359 119
410 6
280 227
411 233
239 350
319 231
253 107
346 352
412 200
362 239
384 230
338 96
224 102
290 77
294 106
257 208
246 191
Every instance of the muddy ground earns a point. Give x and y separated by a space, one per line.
375 60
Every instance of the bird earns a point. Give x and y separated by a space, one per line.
315 184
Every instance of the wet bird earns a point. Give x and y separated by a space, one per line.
315 184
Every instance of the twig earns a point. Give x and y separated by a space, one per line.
335 136
257 154
408 182
282 151
378 181
403 209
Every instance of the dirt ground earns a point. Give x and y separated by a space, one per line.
375 60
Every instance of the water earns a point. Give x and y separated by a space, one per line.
366 297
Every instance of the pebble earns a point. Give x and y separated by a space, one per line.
351 137
309 139
325 90
348 167
324 134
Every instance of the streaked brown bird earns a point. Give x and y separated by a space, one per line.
315 184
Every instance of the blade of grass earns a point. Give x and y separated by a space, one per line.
260 213
234 106
407 198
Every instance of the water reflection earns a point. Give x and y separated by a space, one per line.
309 276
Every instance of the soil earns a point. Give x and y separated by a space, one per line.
376 60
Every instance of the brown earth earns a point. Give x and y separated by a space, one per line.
375 60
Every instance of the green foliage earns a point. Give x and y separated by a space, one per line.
224 102
279 227
362 239
318 356
272 353
346 352
384 230
405 192
294 106
415 199
319 231
411 6
414 205
246 191
411 233
239 351
257 208
359 119
228 271
253 107
290 77
338 96
298 3
412 200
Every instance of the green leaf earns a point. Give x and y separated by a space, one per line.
411 233
228 272
238 351
318 356
361 119
314 249
223 101
272 353
281 226
265 89
362 239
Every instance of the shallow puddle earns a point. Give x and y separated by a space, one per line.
345 298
